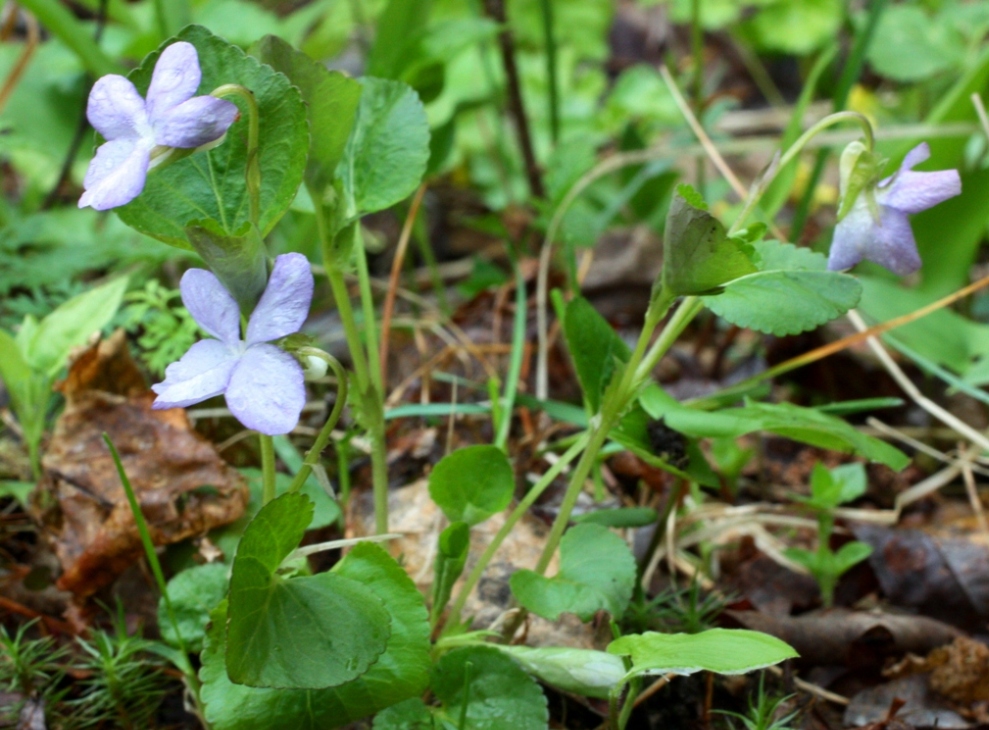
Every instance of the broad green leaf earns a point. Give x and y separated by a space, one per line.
581 671
400 673
698 256
498 694
47 347
472 483
620 517
238 259
451 556
597 572
398 30
388 149
300 633
832 487
331 103
411 714
594 346
725 651
796 26
912 46
194 593
210 185
13 369
812 298
773 255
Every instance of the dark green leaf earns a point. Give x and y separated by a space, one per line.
451 556
620 517
409 715
472 483
194 593
597 573
594 346
307 633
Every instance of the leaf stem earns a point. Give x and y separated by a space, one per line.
252 174
515 363
267 468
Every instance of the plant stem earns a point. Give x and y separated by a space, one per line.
520 509
549 36
697 52
367 309
515 363
323 438
252 174
267 468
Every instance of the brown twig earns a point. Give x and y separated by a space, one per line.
14 77
516 107
396 270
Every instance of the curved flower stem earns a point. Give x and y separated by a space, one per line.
312 456
795 149
267 468
521 508
252 175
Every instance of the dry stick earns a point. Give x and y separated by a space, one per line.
396 270
20 66
516 107
911 390
973 495
893 433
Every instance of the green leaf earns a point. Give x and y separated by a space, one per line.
911 46
594 346
211 185
307 633
14 371
832 487
597 572
796 26
472 483
401 672
194 593
498 694
812 298
48 346
849 555
775 255
581 671
698 256
398 30
619 517
388 149
18 490
409 715
451 556
331 102
725 651
239 260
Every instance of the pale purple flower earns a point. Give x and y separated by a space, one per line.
262 383
878 229
133 127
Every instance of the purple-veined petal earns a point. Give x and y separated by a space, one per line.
211 305
284 306
914 157
851 236
196 122
203 372
892 244
912 192
116 110
116 174
266 390
175 79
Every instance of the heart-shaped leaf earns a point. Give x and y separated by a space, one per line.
473 483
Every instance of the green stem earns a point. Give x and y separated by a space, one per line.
795 149
60 22
152 556
520 510
323 438
549 36
252 174
633 693
367 309
515 364
697 52
267 468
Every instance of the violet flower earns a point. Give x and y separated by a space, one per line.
876 227
137 130
262 383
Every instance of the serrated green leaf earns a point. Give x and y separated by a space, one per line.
812 298
194 593
301 633
498 694
409 715
597 572
211 184
47 346
331 103
400 673
581 671
725 651
773 255
472 483
698 256
388 149
594 346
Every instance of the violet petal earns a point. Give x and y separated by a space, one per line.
211 305
892 244
116 110
284 306
196 122
851 236
116 174
912 192
175 79
203 372
266 390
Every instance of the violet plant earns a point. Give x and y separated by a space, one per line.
323 650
